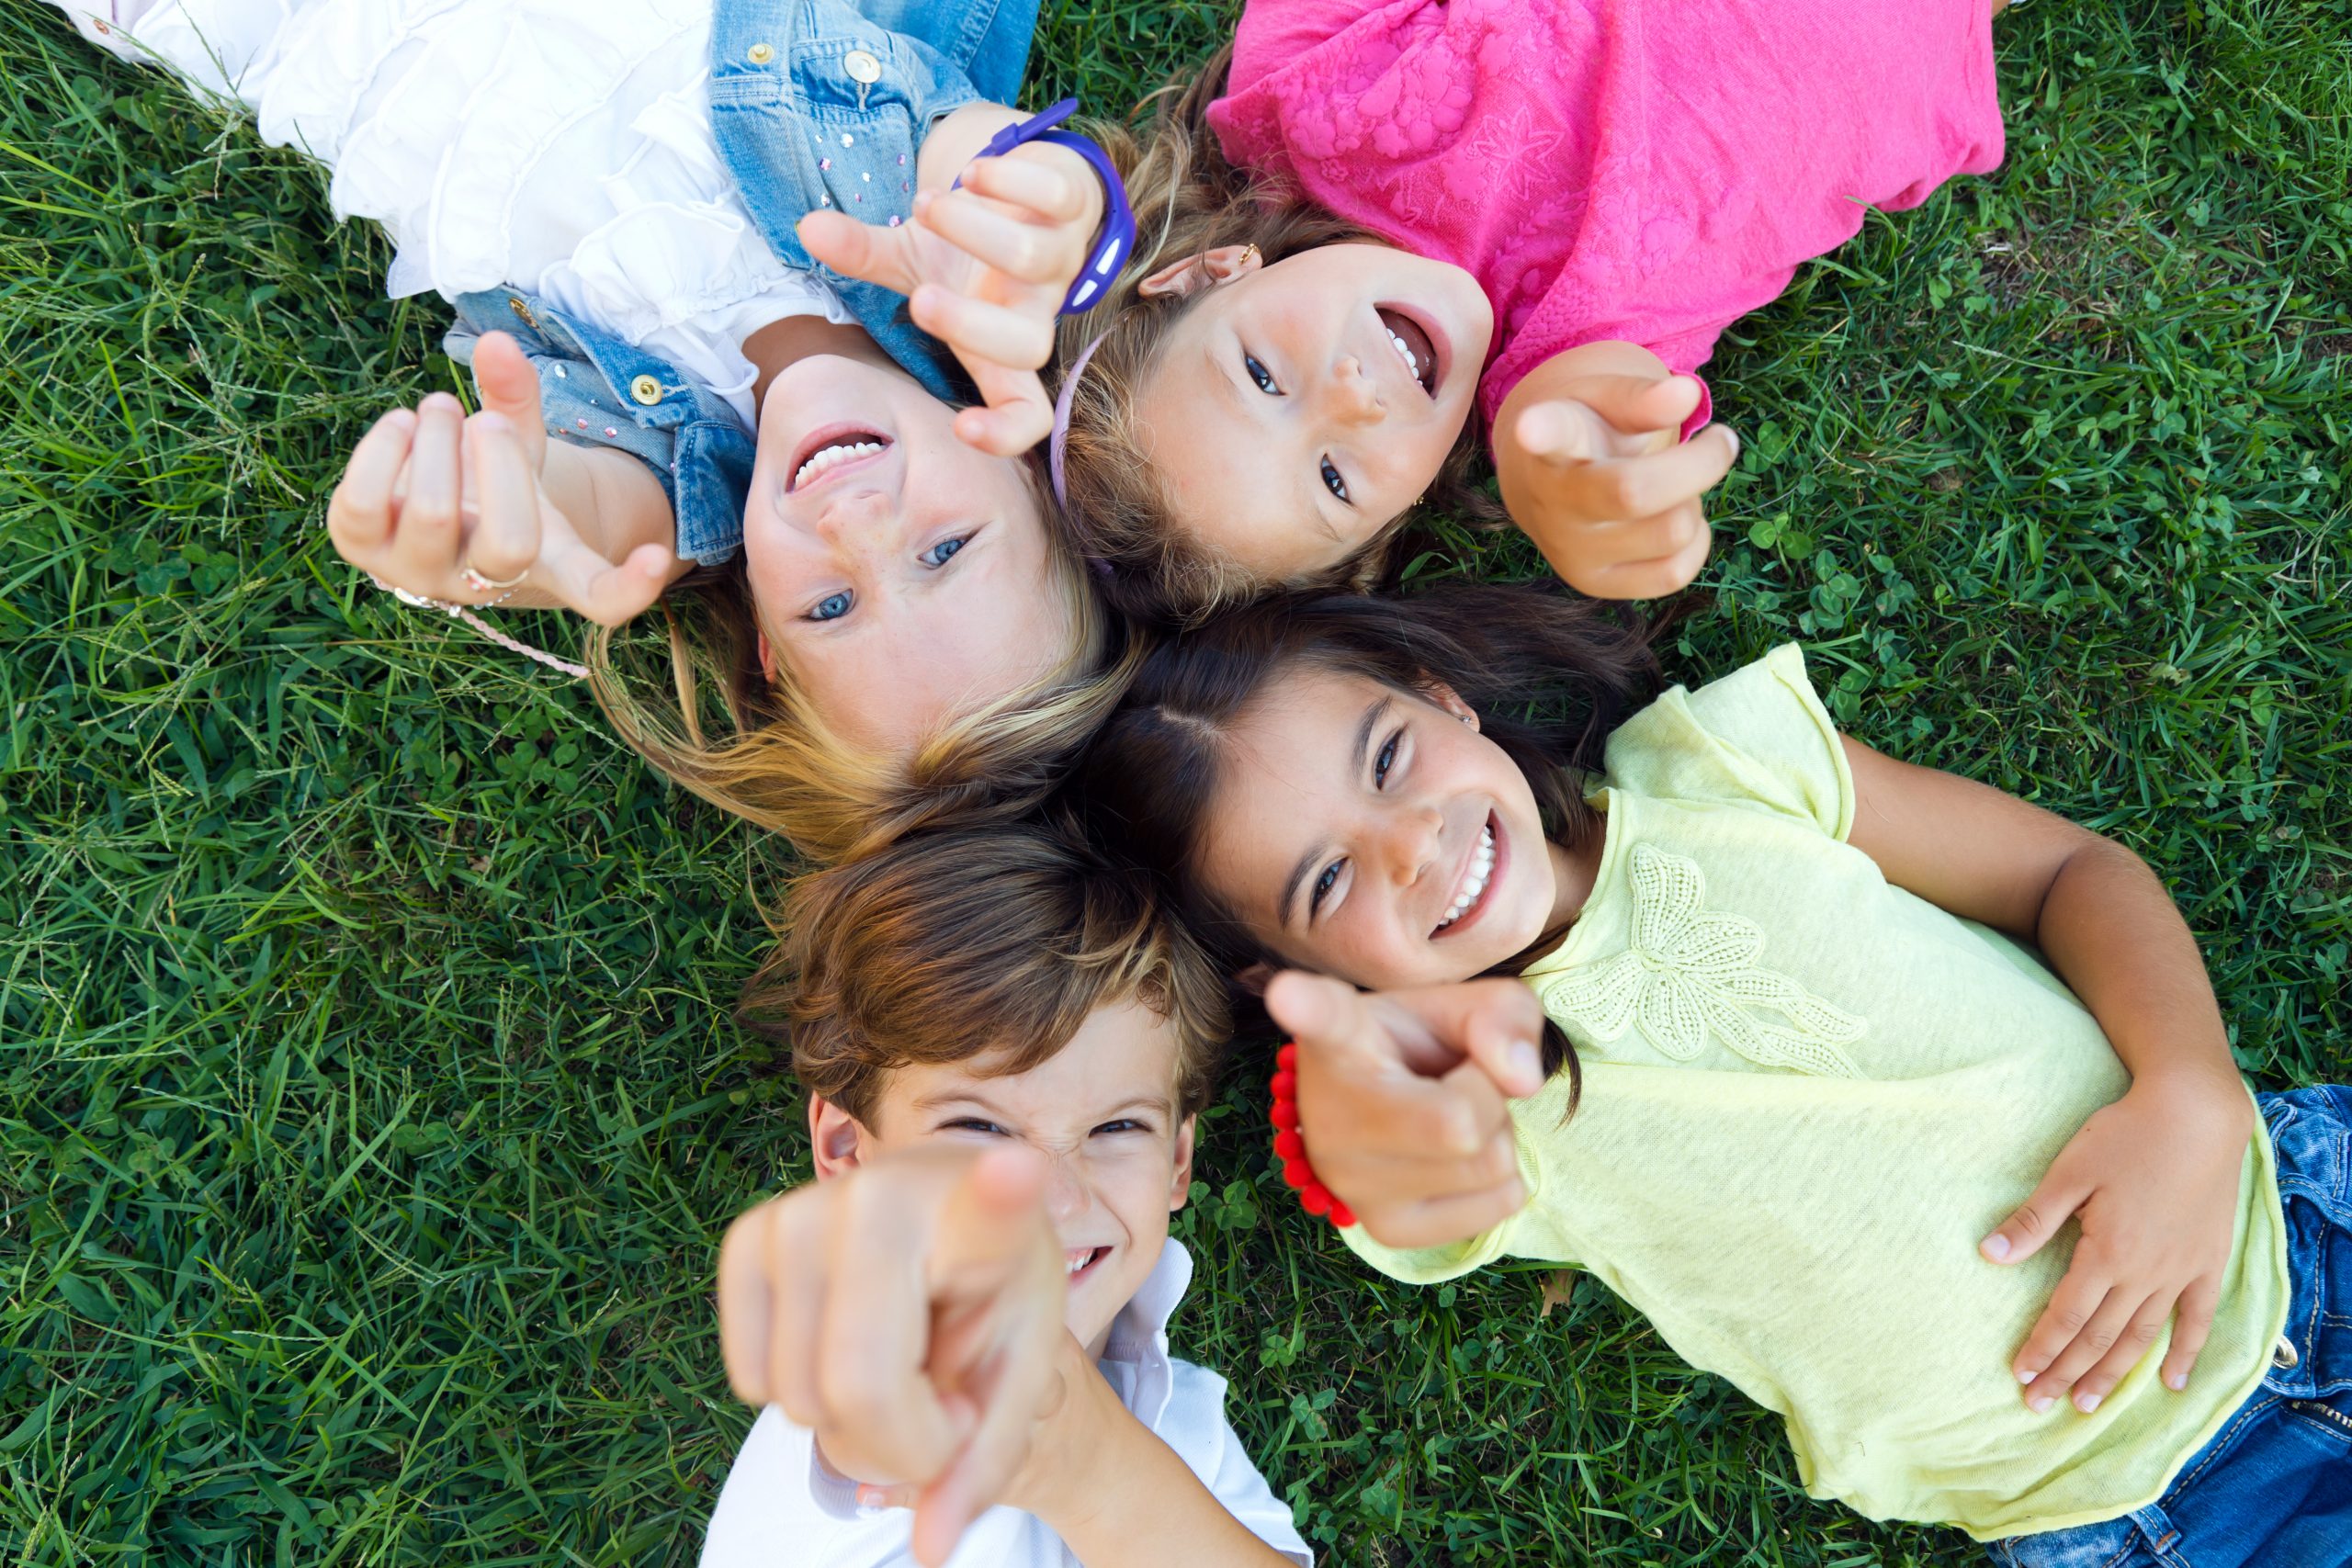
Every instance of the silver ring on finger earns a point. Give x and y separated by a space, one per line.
482 584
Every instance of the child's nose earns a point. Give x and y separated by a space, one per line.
1066 1191
851 516
1353 398
1413 844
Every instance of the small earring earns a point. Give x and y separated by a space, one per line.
1468 719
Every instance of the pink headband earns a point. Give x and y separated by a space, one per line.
1060 438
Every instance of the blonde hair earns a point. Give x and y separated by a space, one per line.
778 765
1188 200
976 944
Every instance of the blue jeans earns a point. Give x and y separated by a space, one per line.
2273 1487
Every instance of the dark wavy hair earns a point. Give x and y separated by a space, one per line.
1550 676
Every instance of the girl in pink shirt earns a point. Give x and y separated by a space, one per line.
1374 217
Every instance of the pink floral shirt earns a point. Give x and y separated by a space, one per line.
1613 169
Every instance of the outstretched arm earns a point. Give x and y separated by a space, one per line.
2154 1177
1117 1495
927 1359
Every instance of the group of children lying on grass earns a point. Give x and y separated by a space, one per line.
1027 501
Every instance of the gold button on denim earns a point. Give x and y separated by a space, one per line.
646 390
759 53
861 66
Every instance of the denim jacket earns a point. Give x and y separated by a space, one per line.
798 130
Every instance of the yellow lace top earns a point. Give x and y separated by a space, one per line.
1808 1095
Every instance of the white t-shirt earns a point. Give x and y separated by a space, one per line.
783 1507
560 147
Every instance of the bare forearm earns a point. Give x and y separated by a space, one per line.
2113 933
1141 1507
2095 911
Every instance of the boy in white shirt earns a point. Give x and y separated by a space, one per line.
1005 1047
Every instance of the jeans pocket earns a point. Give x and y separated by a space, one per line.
2132 1541
2310 1133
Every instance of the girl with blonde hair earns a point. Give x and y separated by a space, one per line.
630 208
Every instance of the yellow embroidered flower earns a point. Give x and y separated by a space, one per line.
1690 974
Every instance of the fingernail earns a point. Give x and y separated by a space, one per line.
2025 1376
2177 1381
1526 1062
2086 1403
1996 1247
2039 1403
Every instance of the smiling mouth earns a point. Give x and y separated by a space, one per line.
1412 345
833 447
1076 1261
1478 877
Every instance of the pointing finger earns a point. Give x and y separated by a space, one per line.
868 251
509 386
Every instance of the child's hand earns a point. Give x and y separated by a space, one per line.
431 491
985 268
1401 1100
910 1312
2154 1180
1070 1436
1594 469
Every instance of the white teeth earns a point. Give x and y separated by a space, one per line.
1411 363
1074 1261
827 456
1482 866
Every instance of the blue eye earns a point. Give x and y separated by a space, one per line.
832 607
1123 1124
1323 885
939 553
1332 481
1260 374
1387 758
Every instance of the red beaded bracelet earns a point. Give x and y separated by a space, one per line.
1290 1144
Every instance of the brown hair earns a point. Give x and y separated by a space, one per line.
992 942
1188 200
1549 675
779 766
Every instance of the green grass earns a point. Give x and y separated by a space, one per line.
368 1104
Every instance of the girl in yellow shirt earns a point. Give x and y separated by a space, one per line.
1899 1102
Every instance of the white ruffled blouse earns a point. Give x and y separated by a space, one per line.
566 149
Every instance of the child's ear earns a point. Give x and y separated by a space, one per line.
1196 273
1256 978
835 1137
767 658
1180 1186
1451 701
